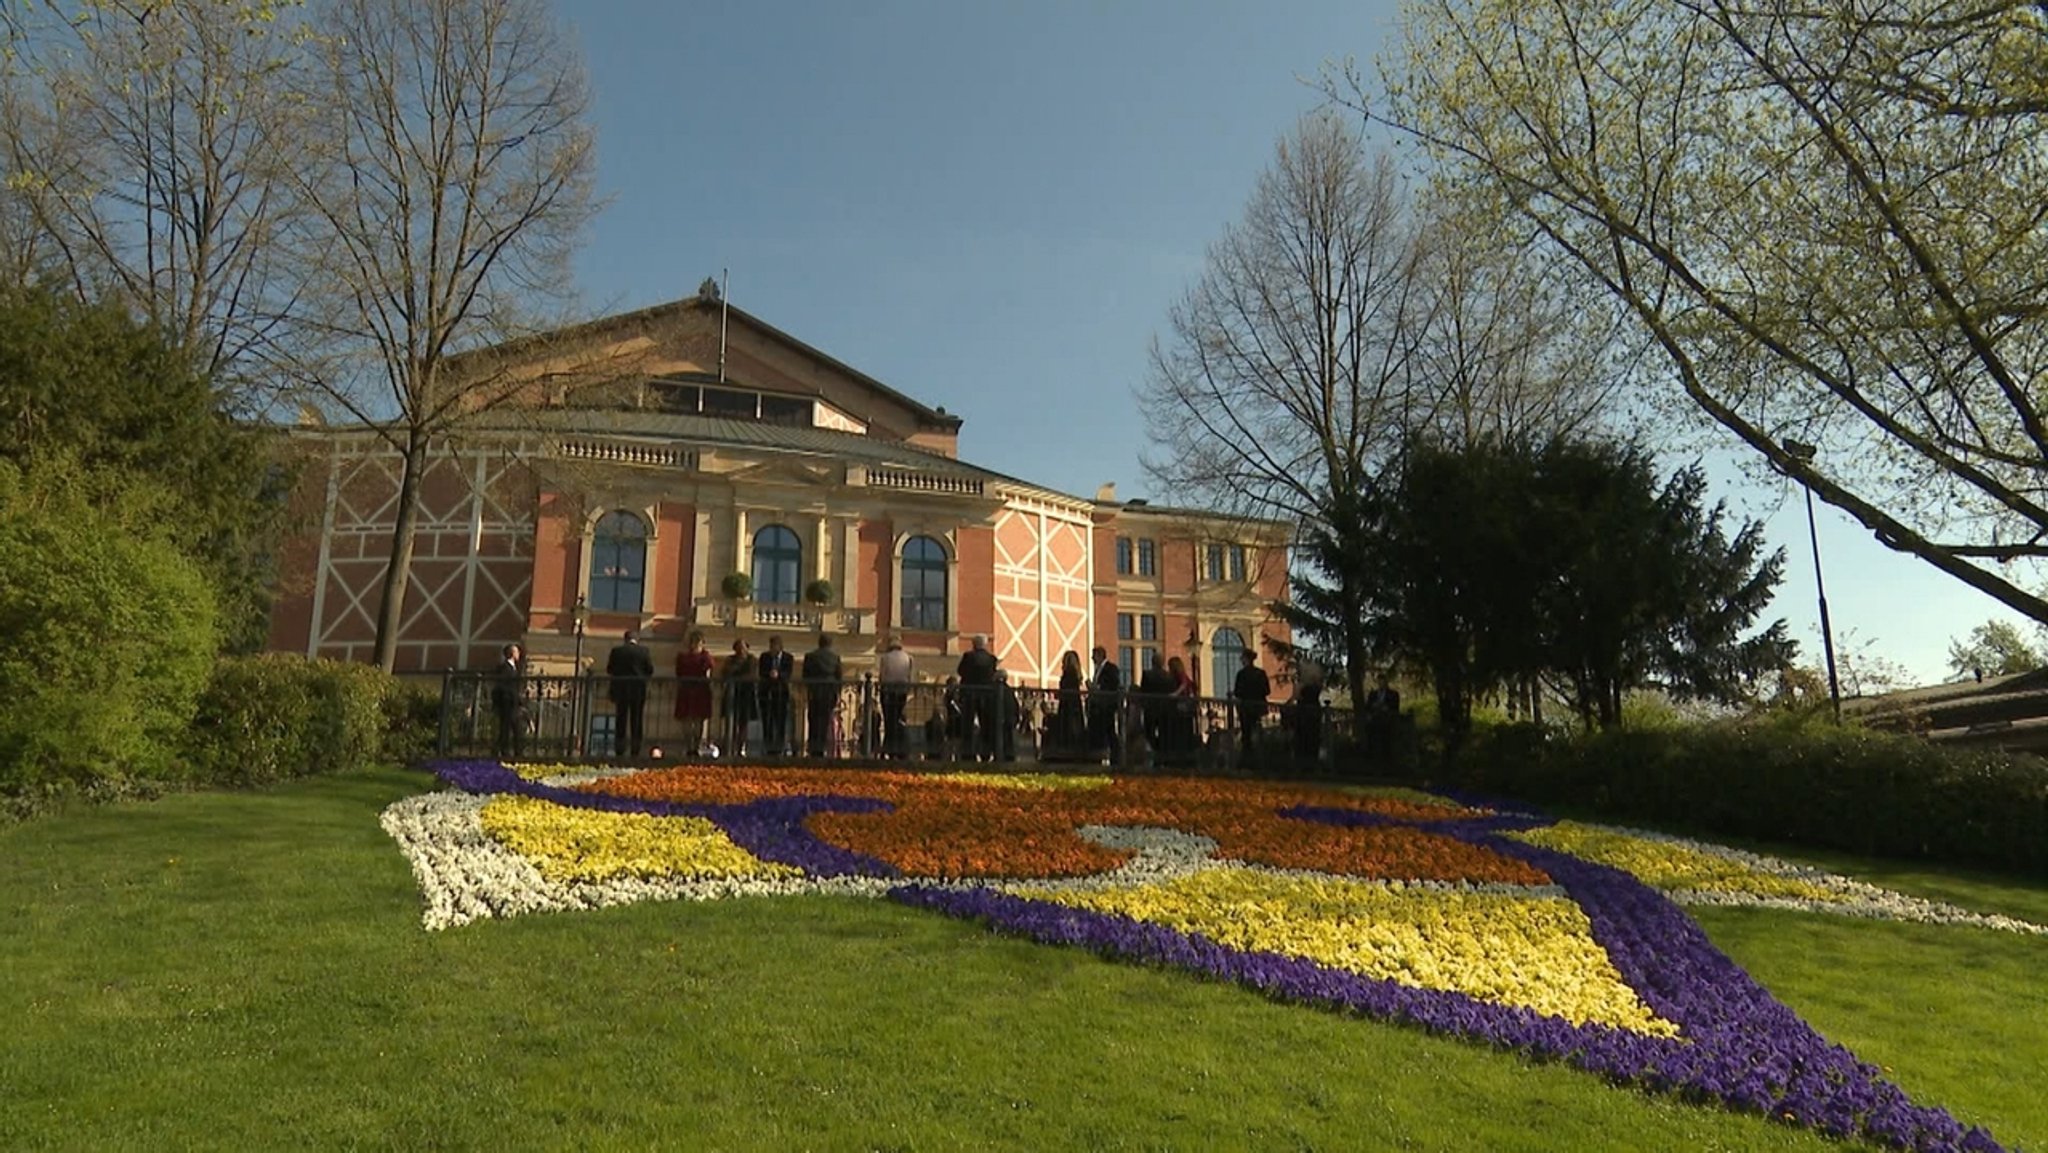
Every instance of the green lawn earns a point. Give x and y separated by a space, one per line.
248 971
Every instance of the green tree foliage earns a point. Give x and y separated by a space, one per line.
90 384
1653 588
1825 218
107 631
1493 564
1993 649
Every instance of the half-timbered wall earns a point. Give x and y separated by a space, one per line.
1043 589
472 568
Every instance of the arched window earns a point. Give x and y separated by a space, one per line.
778 566
618 563
1228 648
924 585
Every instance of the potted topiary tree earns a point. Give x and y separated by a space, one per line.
818 592
737 586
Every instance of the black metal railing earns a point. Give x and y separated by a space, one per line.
591 718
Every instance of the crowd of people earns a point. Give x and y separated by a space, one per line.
744 705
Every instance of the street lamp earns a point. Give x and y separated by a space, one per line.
578 698
1804 454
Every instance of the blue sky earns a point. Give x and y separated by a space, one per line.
992 206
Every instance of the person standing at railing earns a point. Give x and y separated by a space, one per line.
630 667
1181 718
1105 700
508 699
894 671
776 673
742 696
693 692
1308 717
822 677
977 673
1251 689
1155 705
1069 727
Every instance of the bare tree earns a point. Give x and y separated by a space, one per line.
1286 368
1829 220
1507 349
459 177
148 157
1335 321
1285 377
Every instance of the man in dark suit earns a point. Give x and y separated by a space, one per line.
1382 708
977 673
1105 699
1251 689
508 697
1155 701
630 668
822 677
776 670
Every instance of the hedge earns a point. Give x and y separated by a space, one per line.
1801 782
274 716
106 636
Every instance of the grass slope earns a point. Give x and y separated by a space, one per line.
248 971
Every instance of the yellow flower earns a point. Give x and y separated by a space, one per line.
1042 781
568 844
1670 866
1536 952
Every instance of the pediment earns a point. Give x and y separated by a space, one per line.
787 473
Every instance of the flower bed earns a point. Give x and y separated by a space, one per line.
1556 939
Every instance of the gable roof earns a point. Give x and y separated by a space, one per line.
926 415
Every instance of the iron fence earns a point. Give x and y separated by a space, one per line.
591 718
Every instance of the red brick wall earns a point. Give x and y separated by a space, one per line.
977 595
876 570
557 557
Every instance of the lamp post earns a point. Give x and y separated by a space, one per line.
1804 454
581 615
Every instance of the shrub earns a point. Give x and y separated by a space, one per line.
412 721
106 635
1794 779
737 586
275 716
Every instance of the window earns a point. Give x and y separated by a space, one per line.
1127 657
618 563
1123 626
1123 556
1237 562
729 402
1229 649
1148 558
924 585
792 411
778 566
1215 565
1148 627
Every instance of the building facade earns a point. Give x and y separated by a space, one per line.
647 461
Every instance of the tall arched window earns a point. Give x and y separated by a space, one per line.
1228 648
618 563
924 585
778 566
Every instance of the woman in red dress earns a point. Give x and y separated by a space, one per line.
693 692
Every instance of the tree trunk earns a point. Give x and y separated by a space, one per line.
398 576
1453 710
1358 663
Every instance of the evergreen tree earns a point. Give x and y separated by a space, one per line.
89 383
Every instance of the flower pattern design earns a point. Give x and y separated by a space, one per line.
1555 939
